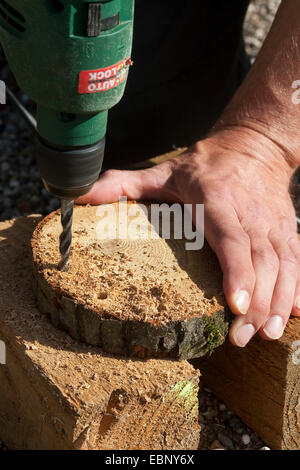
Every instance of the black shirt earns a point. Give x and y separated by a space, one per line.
189 59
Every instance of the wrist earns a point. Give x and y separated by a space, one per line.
251 139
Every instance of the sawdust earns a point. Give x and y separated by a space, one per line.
151 281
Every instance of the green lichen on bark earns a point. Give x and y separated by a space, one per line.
215 331
185 395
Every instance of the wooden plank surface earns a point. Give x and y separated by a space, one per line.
261 384
56 393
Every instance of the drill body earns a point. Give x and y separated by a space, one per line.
72 58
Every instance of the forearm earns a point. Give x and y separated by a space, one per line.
263 109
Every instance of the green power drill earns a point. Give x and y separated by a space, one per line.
72 58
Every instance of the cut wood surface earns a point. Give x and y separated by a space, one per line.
126 291
56 393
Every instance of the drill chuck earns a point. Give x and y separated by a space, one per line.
72 58
69 172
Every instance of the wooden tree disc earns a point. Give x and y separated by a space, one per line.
128 290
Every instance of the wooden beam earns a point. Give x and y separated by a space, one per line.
56 393
261 384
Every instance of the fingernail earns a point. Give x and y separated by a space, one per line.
297 303
274 327
243 334
242 301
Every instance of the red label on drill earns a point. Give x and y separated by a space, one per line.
95 81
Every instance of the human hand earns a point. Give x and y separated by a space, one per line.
242 179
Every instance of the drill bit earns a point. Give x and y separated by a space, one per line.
65 239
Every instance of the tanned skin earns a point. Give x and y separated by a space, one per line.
241 172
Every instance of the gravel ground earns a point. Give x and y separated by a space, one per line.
222 429
21 193
258 22
21 190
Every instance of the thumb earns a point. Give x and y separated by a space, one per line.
154 183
